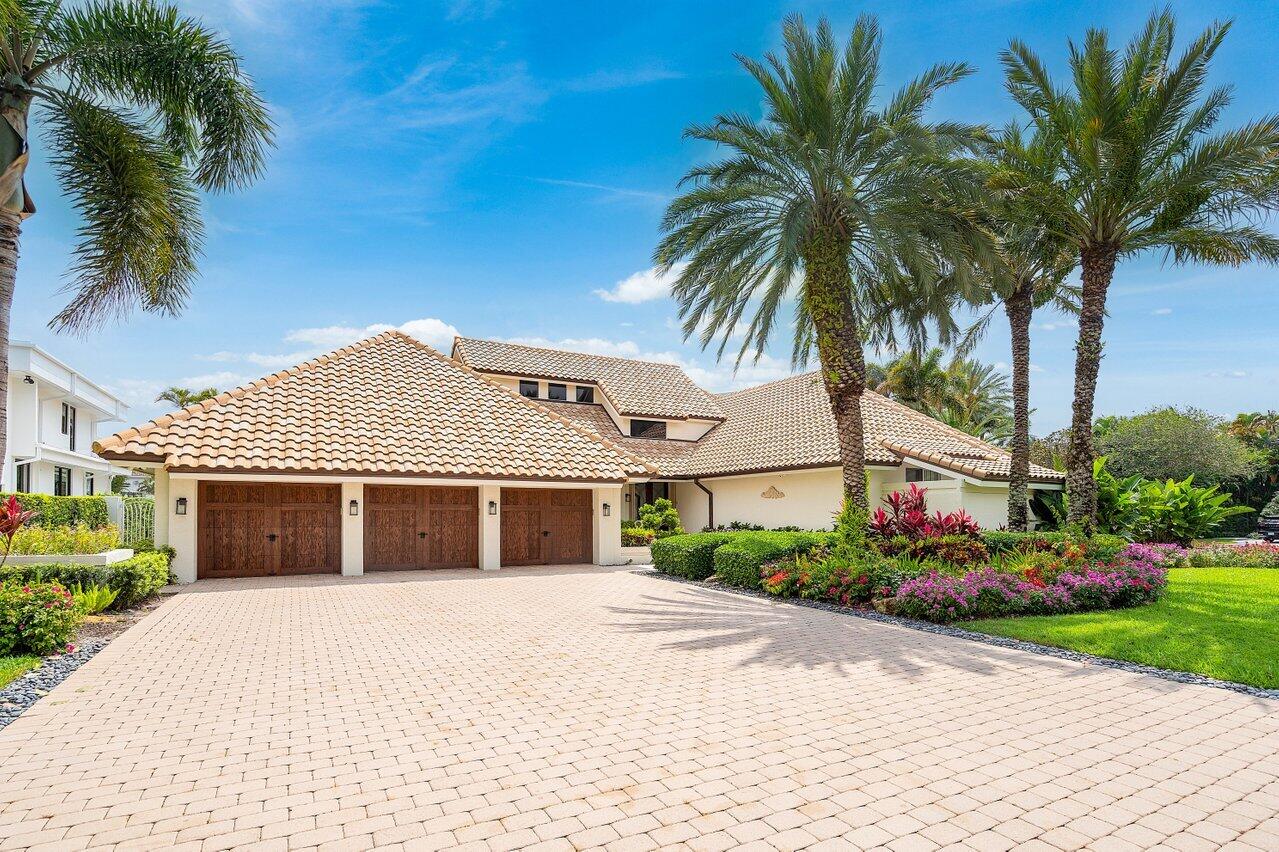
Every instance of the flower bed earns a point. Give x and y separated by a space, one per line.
1259 554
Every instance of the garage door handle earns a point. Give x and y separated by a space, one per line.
421 535
271 536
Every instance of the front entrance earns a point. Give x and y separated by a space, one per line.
259 529
407 527
546 526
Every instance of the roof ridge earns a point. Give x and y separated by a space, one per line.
575 352
791 377
236 393
951 431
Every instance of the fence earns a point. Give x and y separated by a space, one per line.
139 520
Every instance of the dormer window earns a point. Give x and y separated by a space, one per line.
528 389
648 428
559 393
585 394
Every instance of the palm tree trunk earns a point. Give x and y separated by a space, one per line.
10 229
1098 270
1019 306
827 288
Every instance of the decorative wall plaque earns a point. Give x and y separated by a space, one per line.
773 494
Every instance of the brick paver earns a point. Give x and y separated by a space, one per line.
573 708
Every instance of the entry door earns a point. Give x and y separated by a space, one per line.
258 529
408 527
546 526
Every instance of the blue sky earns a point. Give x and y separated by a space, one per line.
500 168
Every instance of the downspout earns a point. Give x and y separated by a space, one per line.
710 503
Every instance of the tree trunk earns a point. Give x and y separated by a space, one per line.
10 229
827 296
1019 306
1098 270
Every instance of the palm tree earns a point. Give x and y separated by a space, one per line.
1138 171
182 397
141 109
1028 272
852 210
918 379
977 401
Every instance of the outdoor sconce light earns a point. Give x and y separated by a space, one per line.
180 508
628 496
29 380
492 507
607 510
355 508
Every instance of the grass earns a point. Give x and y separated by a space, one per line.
1219 622
12 668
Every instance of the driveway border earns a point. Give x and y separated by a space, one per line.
985 638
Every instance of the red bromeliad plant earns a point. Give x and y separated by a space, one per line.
12 518
907 516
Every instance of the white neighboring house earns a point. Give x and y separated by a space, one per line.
54 412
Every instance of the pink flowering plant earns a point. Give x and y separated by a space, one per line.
39 618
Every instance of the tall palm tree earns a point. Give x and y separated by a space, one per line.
1139 170
141 109
850 208
977 401
1029 271
918 379
182 397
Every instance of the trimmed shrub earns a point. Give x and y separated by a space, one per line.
637 537
71 540
64 511
134 579
37 617
688 556
739 561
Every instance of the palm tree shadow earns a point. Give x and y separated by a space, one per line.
783 634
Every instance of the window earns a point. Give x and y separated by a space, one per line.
918 474
528 389
24 478
557 392
648 429
68 424
88 484
585 394
62 482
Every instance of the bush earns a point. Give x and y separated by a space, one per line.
688 556
740 560
64 511
1181 512
963 550
37 617
637 537
78 539
1252 555
1100 547
134 579
661 517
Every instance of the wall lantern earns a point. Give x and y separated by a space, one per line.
29 380
628 496
354 509
492 507
608 510
180 508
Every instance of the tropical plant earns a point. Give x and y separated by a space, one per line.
661 517
1138 171
93 599
12 519
965 393
1180 512
142 108
182 397
857 212
920 380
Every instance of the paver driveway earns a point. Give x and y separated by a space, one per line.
583 707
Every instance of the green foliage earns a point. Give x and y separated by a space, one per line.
689 556
1170 443
40 618
965 394
851 525
12 668
633 536
73 540
1257 554
1272 508
134 579
182 397
92 600
738 561
661 517
1100 547
1181 512
64 511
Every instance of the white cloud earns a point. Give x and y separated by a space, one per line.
643 286
1228 374
608 80
592 345
1057 325
433 332
1161 312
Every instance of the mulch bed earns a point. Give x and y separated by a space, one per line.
984 638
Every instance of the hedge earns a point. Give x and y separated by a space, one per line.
64 511
689 556
1101 546
738 561
134 579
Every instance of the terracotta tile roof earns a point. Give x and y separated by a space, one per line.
667 456
634 388
386 405
788 424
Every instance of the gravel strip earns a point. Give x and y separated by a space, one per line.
35 684
984 638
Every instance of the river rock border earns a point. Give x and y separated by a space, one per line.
35 684
984 638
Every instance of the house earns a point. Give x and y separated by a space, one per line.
53 413
389 455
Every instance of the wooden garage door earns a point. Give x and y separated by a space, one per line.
258 529
415 526
546 526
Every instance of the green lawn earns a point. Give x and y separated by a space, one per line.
1220 622
12 668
